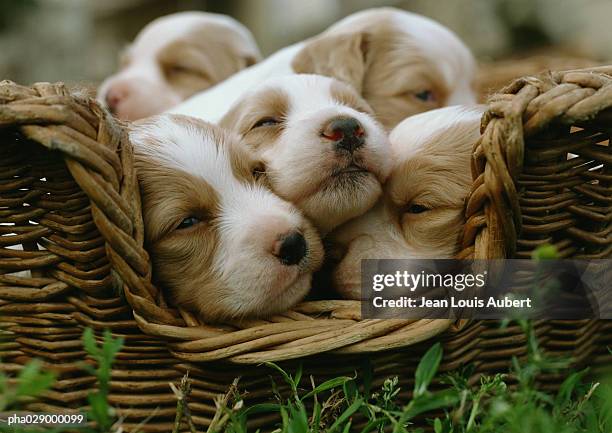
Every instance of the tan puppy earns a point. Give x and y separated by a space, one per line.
174 57
319 144
222 243
420 215
401 63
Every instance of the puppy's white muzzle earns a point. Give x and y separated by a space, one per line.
132 96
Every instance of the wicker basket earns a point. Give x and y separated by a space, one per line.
69 198
494 76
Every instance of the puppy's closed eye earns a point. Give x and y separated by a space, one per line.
415 208
188 222
266 121
426 96
180 69
177 71
193 219
259 171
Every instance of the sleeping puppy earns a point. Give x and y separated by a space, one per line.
320 147
420 215
222 243
400 62
174 57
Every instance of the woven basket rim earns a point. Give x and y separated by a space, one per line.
308 329
523 108
314 327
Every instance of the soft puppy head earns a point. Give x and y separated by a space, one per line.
174 57
320 147
223 244
420 215
402 63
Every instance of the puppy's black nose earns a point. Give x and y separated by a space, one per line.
292 249
346 133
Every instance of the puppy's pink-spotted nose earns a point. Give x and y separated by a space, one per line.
346 133
115 95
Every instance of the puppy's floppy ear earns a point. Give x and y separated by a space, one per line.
231 119
244 50
341 56
242 56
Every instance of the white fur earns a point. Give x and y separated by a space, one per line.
300 163
435 41
408 138
452 57
386 232
250 219
212 104
144 77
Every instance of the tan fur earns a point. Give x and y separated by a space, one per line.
273 103
301 165
174 57
346 96
439 179
168 196
184 259
340 56
203 58
436 175
381 63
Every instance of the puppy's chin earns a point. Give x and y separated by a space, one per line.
332 187
381 243
346 276
340 198
348 286
260 292
288 296
254 301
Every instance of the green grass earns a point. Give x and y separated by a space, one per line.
503 403
491 406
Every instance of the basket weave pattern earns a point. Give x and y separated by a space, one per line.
541 169
70 217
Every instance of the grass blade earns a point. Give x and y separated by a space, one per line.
346 415
427 369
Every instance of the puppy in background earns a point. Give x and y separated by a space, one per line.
318 143
221 242
401 63
421 213
174 57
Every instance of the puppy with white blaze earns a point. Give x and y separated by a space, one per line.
400 62
319 144
221 242
421 212
174 57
